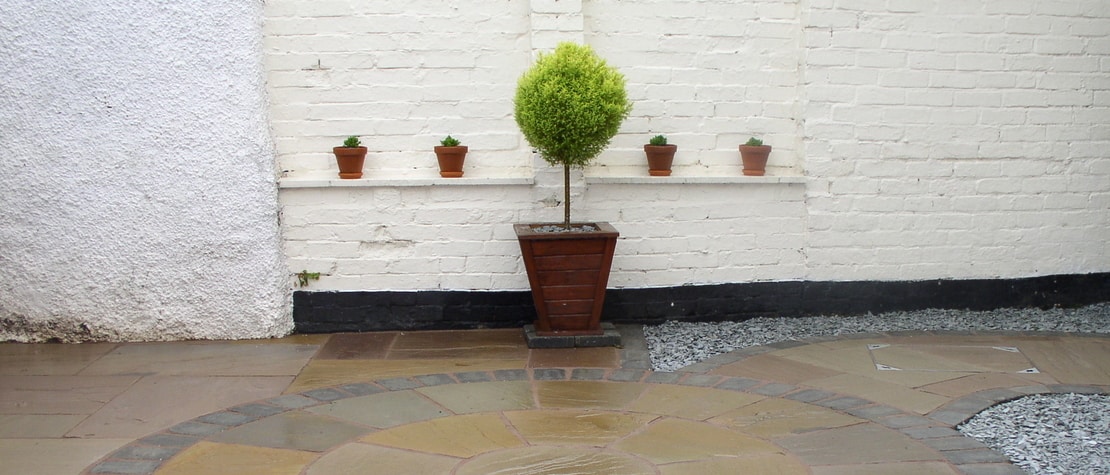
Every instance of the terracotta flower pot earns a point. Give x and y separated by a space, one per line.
350 161
755 159
451 160
660 158
568 272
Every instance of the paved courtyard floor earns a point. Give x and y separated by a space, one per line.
481 402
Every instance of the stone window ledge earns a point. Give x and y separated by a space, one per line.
691 175
328 179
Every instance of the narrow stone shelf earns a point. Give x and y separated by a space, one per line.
328 179
639 175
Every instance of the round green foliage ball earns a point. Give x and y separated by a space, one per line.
570 104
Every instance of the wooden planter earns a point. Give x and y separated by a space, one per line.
568 273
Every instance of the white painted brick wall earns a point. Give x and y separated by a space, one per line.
991 127
401 74
708 75
939 139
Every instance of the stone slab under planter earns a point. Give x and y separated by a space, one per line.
610 337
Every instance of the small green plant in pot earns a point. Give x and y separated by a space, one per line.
569 105
451 155
660 156
754 155
350 158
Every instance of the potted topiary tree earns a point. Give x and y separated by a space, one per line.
660 156
568 105
350 158
450 155
754 156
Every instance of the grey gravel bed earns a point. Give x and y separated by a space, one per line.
674 345
1042 434
1057 434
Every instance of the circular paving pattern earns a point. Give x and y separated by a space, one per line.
543 421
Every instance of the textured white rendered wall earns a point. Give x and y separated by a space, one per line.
139 197
957 139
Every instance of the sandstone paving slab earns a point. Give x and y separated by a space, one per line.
491 344
677 440
482 397
50 359
211 458
972 383
37 426
904 468
1002 358
383 410
296 430
775 368
327 373
461 436
854 357
586 394
53 456
863 443
357 346
366 459
241 358
157 402
576 427
595 357
763 464
1072 360
773 418
907 399
555 461
675 401
59 394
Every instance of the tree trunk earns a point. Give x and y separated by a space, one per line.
566 197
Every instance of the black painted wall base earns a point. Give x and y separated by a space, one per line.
326 312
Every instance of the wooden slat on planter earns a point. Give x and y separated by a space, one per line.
568 277
569 292
567 247
572 262
569 307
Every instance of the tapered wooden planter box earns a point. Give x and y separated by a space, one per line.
568 272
